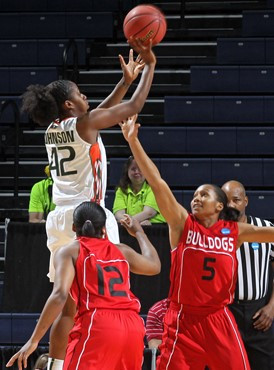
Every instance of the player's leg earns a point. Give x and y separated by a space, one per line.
59 233
132 345
180 350
106 340
224 345
60 330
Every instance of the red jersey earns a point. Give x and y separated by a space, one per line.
204 265
102 277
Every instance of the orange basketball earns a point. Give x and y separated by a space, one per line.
145 22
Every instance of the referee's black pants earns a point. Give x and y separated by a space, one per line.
259 345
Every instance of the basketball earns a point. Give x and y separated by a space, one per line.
145 22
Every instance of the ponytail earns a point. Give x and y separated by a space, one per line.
44 104
88 229
229 214
40 105
89 219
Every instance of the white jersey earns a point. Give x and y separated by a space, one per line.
78 169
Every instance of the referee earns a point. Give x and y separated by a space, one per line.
253 305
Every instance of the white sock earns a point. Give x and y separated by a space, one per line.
55 364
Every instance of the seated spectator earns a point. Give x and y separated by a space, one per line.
40 203
155 323
135 197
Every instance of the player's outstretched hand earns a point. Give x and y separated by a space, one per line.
145 51
22 355
131 225
132 68
130 128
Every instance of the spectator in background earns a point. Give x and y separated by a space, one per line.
40 203
155 323
135 197
253 306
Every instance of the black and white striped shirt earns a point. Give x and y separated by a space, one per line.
253 266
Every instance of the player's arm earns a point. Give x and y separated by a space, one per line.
172 211
130 73
100 118
146 263
64 275
251 233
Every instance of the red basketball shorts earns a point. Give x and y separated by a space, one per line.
106 340
194 340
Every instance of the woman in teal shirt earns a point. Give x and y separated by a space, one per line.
135 197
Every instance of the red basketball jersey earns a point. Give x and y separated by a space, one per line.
204 264
102 277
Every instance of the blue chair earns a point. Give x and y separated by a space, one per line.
258 23
255 140
163 140
259 204
20 78
57 6
5 332
238 109
50 52
178 194
186 171
214 78
94 6
10 26
7 116
89 25
18 52
42 25
187 198
109 199
24 5
268 172
268 109
211 140
269 50
257 79
22 325
5 81
188 109
240 51
247 171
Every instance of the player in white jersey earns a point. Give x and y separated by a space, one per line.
79 172
77 157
